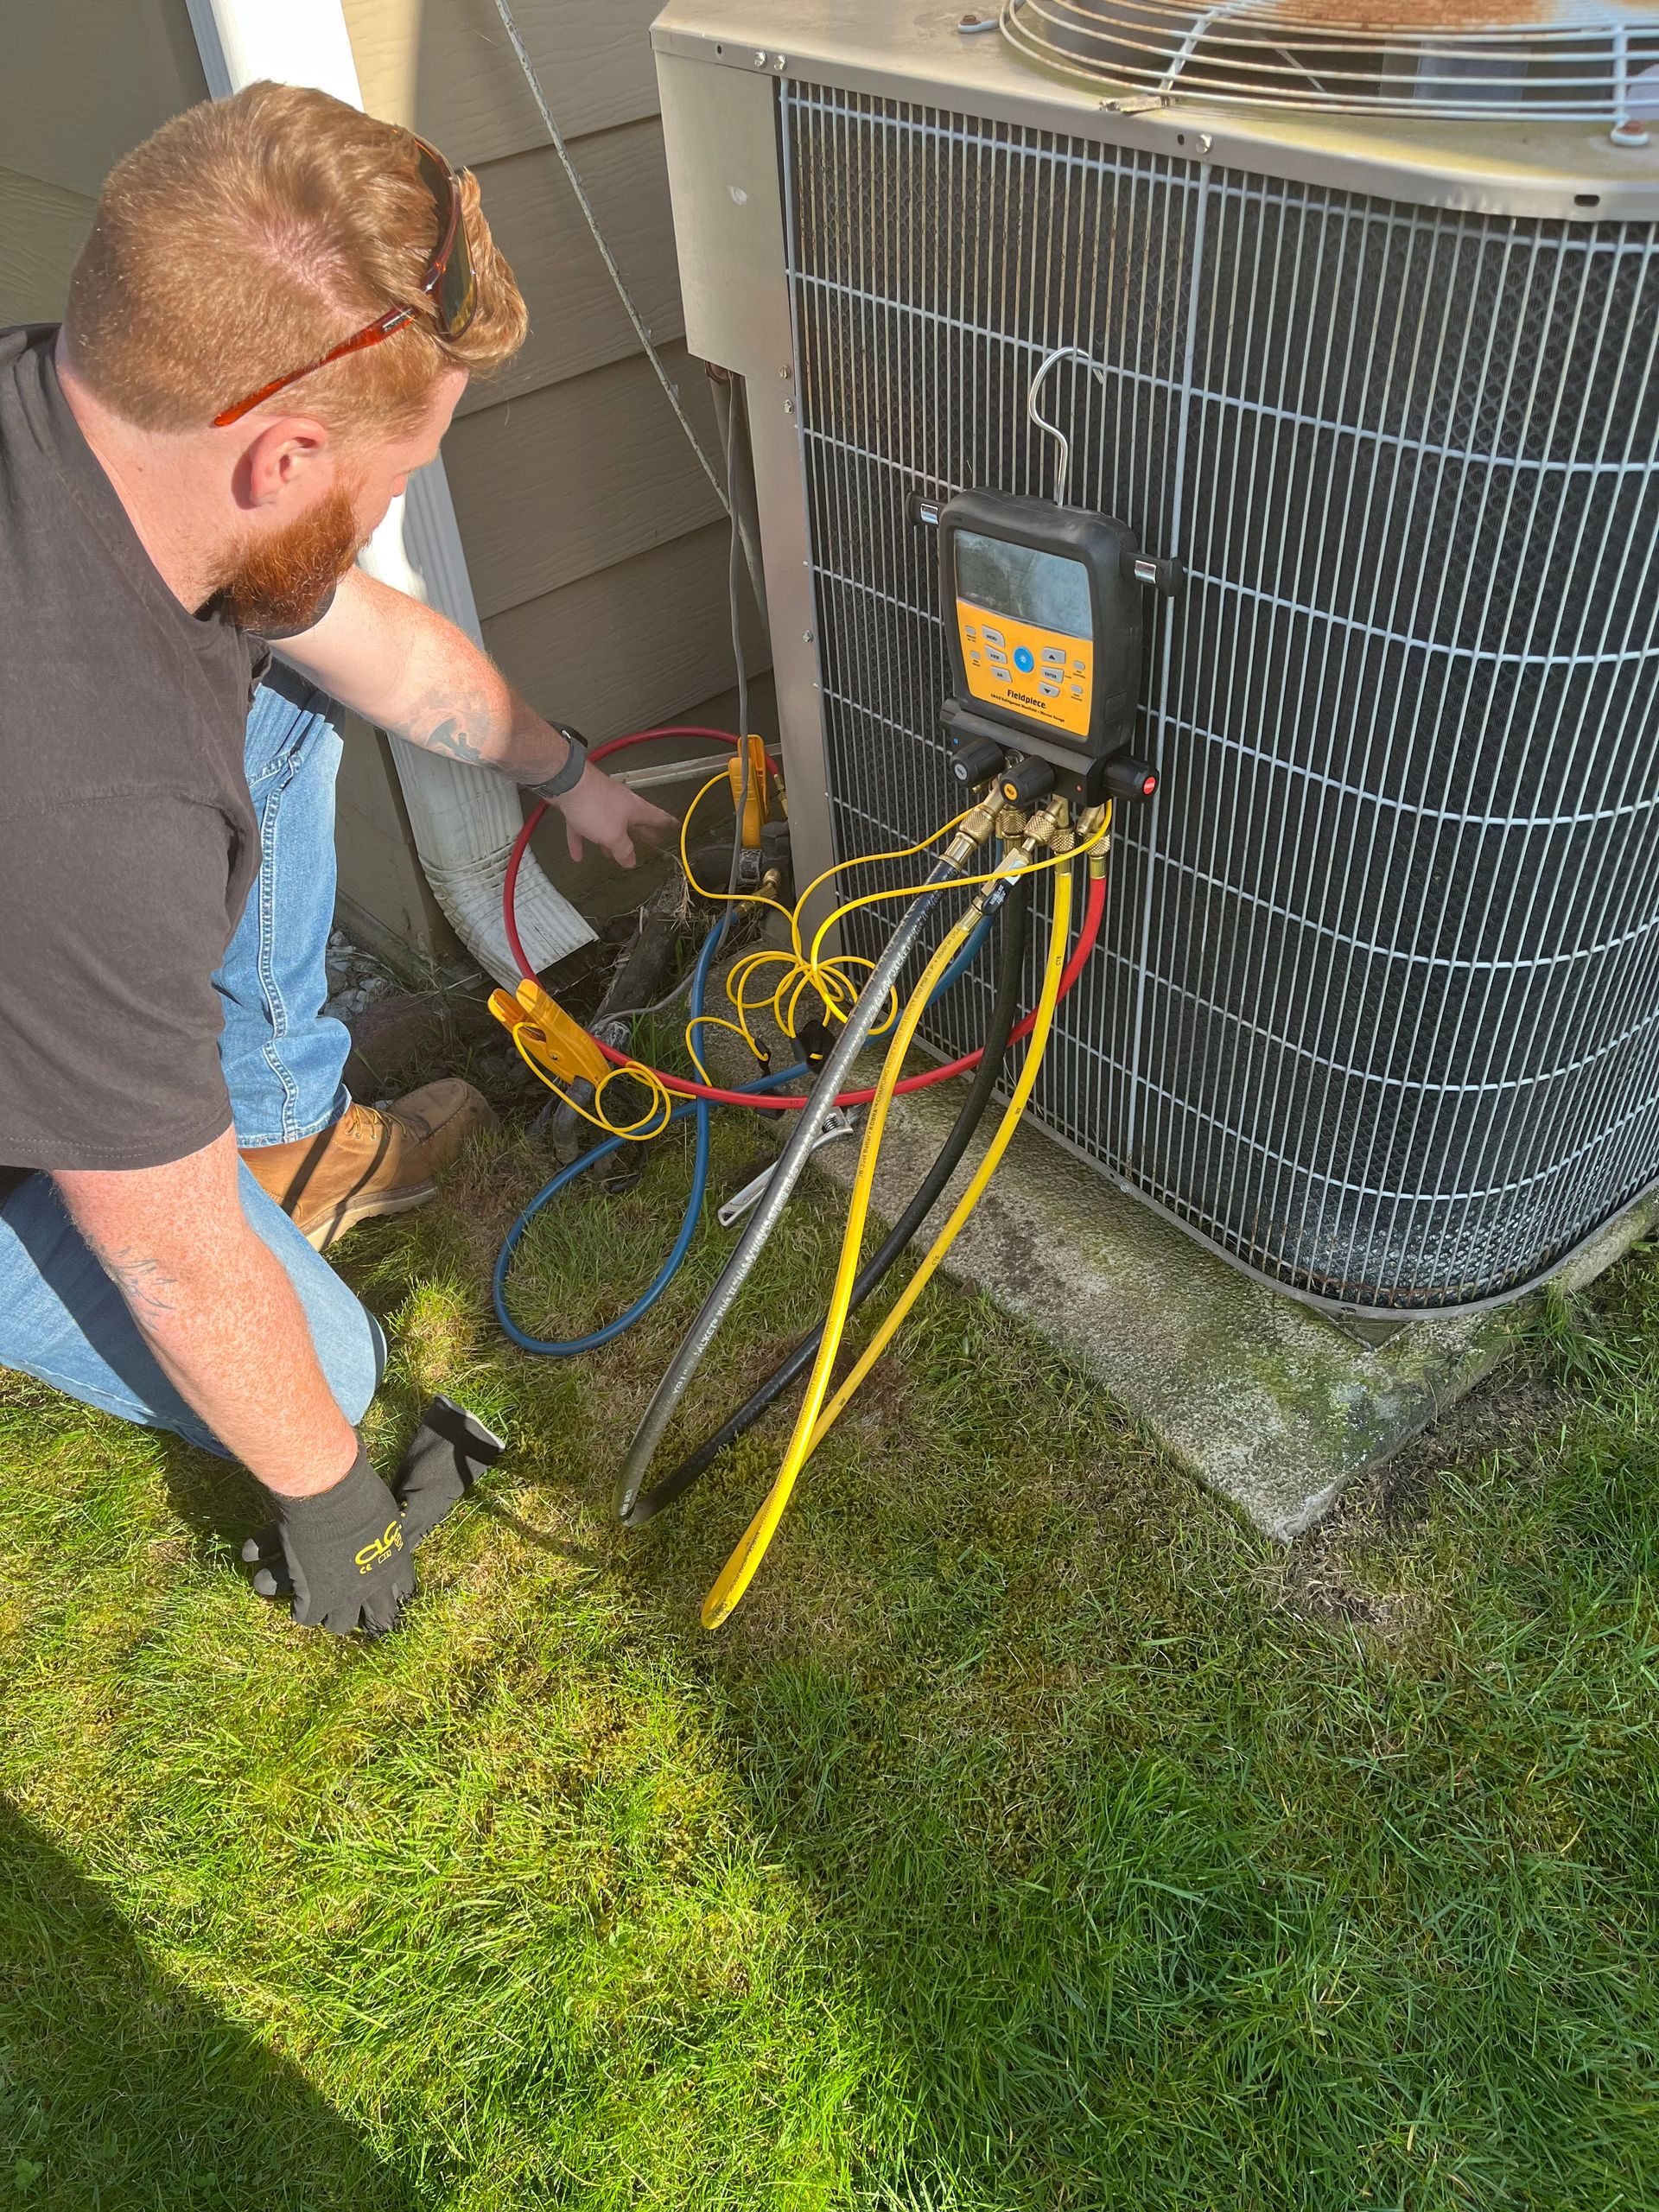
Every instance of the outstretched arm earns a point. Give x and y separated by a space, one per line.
414 673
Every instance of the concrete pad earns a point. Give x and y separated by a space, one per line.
1266 1400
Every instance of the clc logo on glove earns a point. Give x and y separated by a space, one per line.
382 1548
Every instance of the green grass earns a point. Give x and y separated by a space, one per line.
1034 1838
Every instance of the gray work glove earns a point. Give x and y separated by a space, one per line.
446 1455
346 1563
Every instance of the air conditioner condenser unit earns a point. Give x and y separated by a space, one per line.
1359 325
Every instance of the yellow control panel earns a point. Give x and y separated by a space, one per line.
1042 674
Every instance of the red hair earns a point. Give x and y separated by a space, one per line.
248 236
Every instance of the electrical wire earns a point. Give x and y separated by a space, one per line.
622 1016
1011 960
833 981
660 1112
532 822
633 314
738 1571
699 1110
1011 966
645 1126
654 1120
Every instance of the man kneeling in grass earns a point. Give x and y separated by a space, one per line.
268 328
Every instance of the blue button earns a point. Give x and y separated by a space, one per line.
1022 659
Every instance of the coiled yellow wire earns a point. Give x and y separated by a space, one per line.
792 972
837 979
650 1123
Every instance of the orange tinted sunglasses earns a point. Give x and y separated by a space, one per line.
448 288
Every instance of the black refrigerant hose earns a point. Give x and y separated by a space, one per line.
1005 1011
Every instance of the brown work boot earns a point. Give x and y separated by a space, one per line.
371 1160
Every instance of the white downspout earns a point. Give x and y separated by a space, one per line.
465 819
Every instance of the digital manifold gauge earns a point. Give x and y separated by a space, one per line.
1043 607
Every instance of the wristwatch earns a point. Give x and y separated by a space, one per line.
570 774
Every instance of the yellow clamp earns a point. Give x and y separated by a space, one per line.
543 1031
757 808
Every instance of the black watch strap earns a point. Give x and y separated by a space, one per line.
570 774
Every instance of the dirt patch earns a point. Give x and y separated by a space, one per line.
1322 1576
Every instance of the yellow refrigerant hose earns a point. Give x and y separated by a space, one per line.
740 1569
970 1198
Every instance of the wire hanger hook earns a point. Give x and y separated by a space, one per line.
1063 465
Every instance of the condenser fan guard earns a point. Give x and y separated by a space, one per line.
1422 58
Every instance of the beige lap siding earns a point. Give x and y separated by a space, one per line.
577 322
590 528
445 68
78 85
575 639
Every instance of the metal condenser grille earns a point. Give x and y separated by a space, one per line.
1378 1009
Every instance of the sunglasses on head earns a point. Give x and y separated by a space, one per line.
448 288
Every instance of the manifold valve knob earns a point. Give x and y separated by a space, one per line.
975 760
1025 780
1129 777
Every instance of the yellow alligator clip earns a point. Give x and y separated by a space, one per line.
553 1039
757 807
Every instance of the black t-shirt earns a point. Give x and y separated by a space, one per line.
127 837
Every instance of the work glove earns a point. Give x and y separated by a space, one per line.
343 1555
447 1454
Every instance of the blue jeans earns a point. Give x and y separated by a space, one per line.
283 1057
61 1319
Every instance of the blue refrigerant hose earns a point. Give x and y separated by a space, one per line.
700 1110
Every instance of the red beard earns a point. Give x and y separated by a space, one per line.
278 582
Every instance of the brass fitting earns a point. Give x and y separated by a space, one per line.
1094 819
974 832
1026 836
1051 820
1009 823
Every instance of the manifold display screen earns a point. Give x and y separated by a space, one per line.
1045 589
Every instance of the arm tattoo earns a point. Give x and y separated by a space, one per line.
448 738
141 1279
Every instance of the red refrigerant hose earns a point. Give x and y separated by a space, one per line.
1087 936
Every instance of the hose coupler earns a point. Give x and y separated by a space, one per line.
973 833
1096 821
1051 824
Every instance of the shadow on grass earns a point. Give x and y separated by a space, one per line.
220 1504
217 1500
1165 1889
585 1555
109 2073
